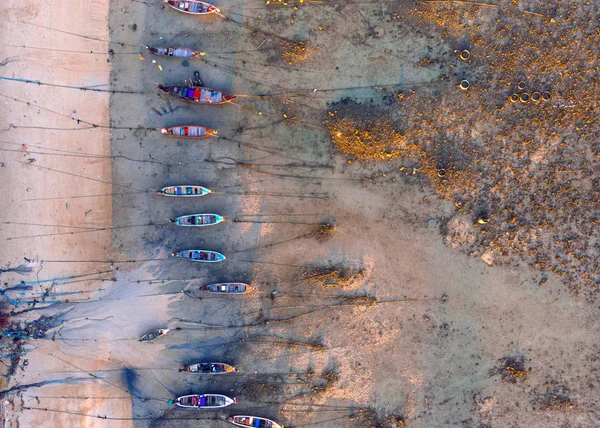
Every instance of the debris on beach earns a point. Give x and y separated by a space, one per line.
553 396
295 52
460 232
475 154
21 269
15 334
368 418
330 377
332 277
323 231
359 301
357 134
513 369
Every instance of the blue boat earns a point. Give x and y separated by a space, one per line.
205 256
184 191
198 220
253 422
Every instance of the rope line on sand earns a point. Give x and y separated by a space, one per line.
82 88
112 183
90 156
104 380
104 261
459 2
80 196
138 418
97 39
247 193
52 111
251 28
111 53
68 51
89 230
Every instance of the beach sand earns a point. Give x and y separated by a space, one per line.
421 335
46 154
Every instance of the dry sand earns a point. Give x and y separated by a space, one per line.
424 344
42 146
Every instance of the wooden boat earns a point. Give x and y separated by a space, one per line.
189 131
176 52
200 256
154 334
192 6
228 288
198 94
208 368
198 220
205 401
184 191
253 422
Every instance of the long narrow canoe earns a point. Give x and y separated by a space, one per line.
200 256
198 220
192 6
154 334
184 191
175 52
205 401
198 94
189 131
253 422
228 288
208 368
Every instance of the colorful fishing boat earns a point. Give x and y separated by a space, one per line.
189 131
253 422
176 52
205 401
208 368
184 191
154 334
194 7
228 288
200 256
198 94
198 220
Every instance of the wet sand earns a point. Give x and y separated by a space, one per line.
418 336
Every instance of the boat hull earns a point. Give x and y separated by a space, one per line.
192 7
203 256
189 132
198 220
208 368
253 422
198 94
228 288
155 334
204 401
184 191
173 52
